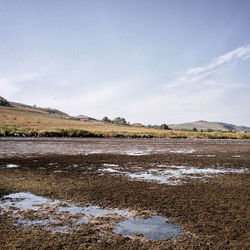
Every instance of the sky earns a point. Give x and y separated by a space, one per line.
149 61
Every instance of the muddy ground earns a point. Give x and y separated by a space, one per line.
213 211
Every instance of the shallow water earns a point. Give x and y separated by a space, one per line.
17 203
27 223
183 151
174 175
16 146
11 166
91 210
25 200
154 228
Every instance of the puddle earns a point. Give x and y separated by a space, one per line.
180 173
236 156
183 151
110 165
154 177
81 221
111 170
135 152
60 229
54 216
18 204
27 223
154 228
92 210
11 166
205 155
173 175
172 166
25 201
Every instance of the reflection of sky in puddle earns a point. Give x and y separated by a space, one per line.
27 223
22 201
60 229
205 155
110 165
111 170
154 228
83 220
91 210
183 151
137 152
173 175
11 166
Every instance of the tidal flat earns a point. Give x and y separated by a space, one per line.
62 193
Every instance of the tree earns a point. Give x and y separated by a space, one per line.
209 130
3 102
119 120
194 130
106 119
164 126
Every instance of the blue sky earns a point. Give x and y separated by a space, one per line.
150 61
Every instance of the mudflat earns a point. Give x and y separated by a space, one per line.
77 193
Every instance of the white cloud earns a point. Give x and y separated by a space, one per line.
97 90
12 84
239 53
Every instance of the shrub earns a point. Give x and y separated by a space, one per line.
164 126
4 102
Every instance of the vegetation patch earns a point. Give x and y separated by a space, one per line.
4 102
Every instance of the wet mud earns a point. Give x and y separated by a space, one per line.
82 195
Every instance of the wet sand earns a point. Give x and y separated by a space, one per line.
206 192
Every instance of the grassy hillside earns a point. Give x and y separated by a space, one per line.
24 107
204 125
26 121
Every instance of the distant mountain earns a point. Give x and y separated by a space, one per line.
204 125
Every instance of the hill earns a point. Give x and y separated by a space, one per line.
50 111
24 120
205 125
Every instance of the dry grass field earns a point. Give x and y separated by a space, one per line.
28 122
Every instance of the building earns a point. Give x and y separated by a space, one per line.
84 118
138 125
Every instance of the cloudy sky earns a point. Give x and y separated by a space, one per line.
150 61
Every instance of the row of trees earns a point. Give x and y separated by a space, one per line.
117 120
196 130
162 126
122 121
